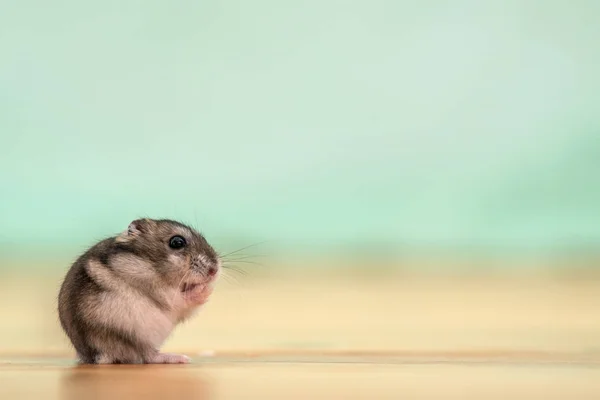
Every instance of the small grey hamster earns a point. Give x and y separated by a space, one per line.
122 298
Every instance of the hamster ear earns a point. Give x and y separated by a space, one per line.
135 228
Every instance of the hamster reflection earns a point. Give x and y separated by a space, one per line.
129 382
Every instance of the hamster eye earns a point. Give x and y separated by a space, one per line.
177 242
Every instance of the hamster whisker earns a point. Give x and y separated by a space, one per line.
246 262
183 278
244 256
236 269
230 278
243 248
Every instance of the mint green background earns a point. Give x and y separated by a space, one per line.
312 124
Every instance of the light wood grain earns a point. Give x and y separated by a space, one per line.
306 336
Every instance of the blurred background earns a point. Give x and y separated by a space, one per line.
426 172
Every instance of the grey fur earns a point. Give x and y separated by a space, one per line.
121 299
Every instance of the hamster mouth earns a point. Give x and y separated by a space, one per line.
188 287
198 282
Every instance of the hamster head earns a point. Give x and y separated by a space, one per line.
179 254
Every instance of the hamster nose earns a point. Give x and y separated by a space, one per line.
212 271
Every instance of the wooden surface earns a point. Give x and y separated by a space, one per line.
351 337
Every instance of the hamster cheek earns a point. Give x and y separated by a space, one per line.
178 262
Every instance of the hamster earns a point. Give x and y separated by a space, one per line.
122 298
